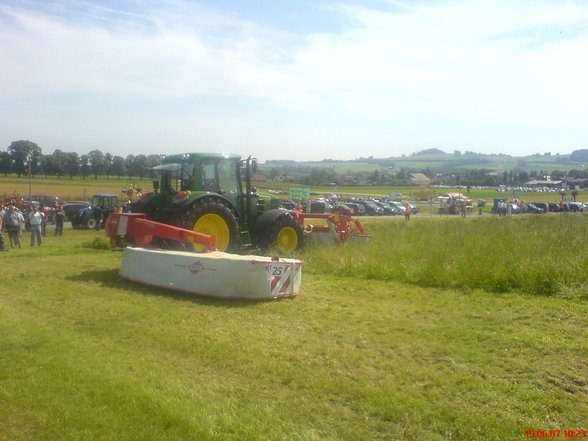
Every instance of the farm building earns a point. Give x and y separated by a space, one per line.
420 179
544 184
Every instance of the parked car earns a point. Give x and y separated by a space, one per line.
358 209
554 206
577 206
341 208
72 208
532 208
543 205
287 204
399 207
371 208
319 207
45 199
388 209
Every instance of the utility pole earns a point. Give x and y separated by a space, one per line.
30 159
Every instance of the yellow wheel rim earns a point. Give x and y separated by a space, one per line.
213 225
287 240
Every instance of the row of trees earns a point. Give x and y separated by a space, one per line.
24 157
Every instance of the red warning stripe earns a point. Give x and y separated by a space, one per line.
285 285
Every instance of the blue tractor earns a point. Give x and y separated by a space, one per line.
96 214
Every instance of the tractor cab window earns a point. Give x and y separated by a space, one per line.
176 177
220 176
210 181
227 173
185 178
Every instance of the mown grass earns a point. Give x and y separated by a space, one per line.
533 254
88 355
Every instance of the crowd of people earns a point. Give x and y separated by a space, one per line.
15 221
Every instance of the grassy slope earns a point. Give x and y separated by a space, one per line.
438 161
87 355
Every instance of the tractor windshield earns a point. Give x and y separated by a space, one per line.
220 176
176 177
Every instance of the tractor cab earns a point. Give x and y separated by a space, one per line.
105 202
186 176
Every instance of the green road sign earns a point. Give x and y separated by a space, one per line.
300 194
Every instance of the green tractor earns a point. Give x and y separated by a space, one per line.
211 193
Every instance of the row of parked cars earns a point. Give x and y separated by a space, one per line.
355 207
545 207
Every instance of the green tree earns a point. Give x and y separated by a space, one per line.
24 155
129 164
108 161
59 160
72 164
5 163
97 163
47 165
119 167
140 166
85 166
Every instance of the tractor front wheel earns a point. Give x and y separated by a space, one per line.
284 236
213 217
91 223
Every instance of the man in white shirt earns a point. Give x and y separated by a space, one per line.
35 219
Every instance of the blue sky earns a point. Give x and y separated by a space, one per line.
301 80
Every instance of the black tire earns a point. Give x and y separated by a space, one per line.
221 216
91 223
284 236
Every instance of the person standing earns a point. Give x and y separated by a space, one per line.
13 223
97 214
59 219
2 248
407 211
35 219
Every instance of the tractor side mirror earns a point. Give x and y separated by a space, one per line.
254 165
155 186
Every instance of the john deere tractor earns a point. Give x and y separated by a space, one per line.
212 194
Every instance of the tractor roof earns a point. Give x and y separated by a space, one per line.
190 157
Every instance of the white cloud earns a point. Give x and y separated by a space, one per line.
471 62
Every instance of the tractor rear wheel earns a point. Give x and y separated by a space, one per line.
213 217
284 236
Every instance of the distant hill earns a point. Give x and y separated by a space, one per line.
438 160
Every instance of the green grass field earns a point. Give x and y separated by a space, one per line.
367 351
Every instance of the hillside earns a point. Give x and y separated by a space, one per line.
439 161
